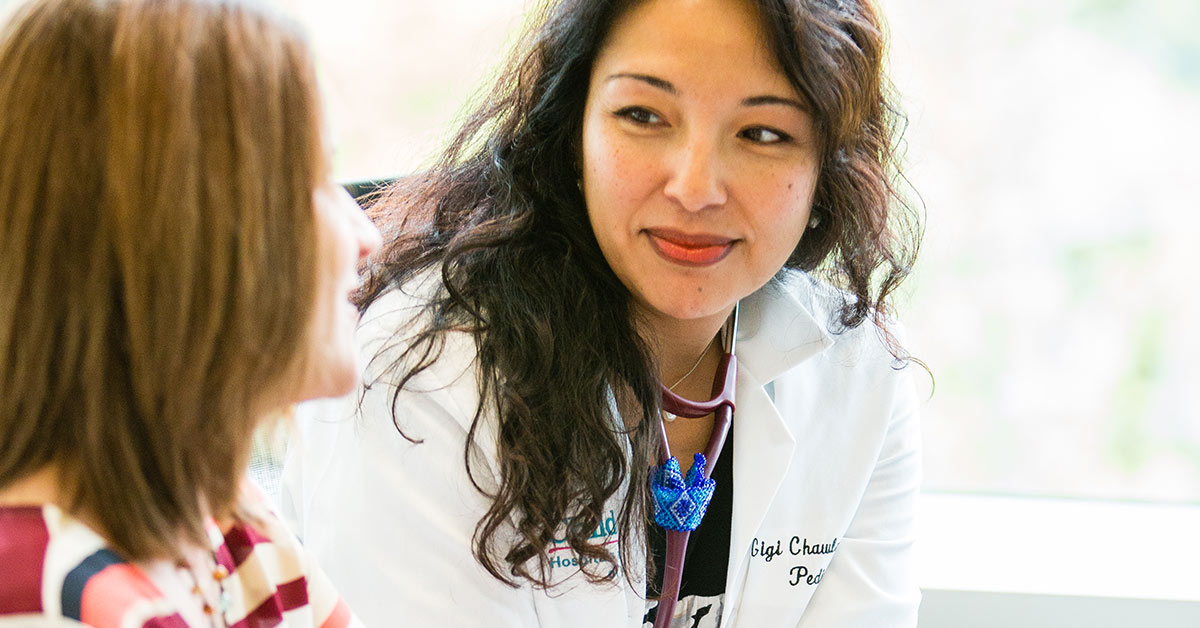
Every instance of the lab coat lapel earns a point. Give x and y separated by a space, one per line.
777 332
762 450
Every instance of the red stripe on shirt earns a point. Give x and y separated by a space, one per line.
240 540
288 596
170 621
23 540
293 594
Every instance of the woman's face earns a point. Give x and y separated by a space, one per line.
699 159
345 237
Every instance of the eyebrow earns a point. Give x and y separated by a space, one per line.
775 100
653 81
753 101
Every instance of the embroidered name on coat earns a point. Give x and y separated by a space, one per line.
797 546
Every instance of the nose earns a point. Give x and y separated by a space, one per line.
365 234
696 182
369 239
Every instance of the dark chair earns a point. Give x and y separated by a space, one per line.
364 191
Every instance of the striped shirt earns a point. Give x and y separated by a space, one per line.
54 567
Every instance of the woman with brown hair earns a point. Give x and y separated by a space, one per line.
175 268
663 201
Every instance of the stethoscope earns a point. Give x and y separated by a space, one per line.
680 502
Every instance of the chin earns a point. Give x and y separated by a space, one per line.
331 379
343 381
690 309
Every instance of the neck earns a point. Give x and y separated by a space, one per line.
678 344
35 489
45 486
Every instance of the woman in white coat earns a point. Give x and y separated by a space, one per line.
645 174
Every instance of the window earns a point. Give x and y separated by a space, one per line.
1054 145
398 73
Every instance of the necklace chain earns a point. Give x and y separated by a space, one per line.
694 367
667 416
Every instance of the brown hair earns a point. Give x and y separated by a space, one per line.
157 165
502 219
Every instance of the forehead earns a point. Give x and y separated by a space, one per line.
704 43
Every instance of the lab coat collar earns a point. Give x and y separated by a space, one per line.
780 326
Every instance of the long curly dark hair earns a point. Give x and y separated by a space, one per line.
502 219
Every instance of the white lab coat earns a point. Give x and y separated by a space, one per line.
826 473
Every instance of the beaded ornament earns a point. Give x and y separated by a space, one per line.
680 503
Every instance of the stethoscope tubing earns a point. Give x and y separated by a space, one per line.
721 406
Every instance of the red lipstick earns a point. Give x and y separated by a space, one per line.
690 249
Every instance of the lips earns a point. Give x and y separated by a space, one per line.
690 249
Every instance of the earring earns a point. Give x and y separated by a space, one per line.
814 221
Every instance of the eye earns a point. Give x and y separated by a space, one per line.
764 135
639 115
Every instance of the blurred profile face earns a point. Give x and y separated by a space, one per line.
699 159
345 237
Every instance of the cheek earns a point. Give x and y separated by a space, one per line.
341 251
618 173
785 203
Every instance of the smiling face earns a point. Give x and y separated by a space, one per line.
699 158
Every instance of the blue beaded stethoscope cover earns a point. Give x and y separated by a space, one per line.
679 502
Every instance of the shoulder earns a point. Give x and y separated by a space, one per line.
825 303
393 318
791 333
851 393
395 322
278 577
259 536
395 347
59 559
